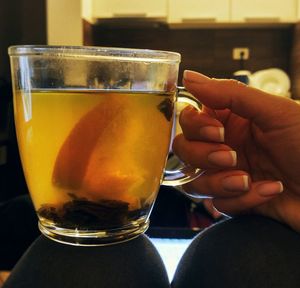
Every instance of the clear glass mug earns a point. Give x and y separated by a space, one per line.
94 126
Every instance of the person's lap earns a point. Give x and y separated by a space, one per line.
248 251
135 263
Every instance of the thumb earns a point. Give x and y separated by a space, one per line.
265 110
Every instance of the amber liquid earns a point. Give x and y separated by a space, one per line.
92 155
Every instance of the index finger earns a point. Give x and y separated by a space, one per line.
265 110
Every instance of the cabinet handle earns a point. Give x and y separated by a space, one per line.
129 15
199 19
262 19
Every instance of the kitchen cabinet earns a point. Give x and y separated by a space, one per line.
269 11
129 9
190 12
298 10
198 11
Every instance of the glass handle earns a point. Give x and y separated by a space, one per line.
177 173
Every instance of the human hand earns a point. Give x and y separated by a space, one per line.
245 171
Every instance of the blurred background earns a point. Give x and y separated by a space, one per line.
221 38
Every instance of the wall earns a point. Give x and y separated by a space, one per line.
21 22
205 50
64 24
20 25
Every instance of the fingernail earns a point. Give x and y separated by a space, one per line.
270 189
223 158
193 76
213 133
188 110
216 214
236 183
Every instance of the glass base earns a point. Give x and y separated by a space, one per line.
93 238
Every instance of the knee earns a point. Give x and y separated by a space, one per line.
248 251
134 264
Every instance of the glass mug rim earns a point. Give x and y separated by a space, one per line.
97 52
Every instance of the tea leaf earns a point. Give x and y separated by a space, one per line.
166 107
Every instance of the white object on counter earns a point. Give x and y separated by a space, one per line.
272 80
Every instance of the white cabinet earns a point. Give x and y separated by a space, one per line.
129 8
258 11
298 10
198 11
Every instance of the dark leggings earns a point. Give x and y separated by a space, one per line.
248 251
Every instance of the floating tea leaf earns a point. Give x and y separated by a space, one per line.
166 107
